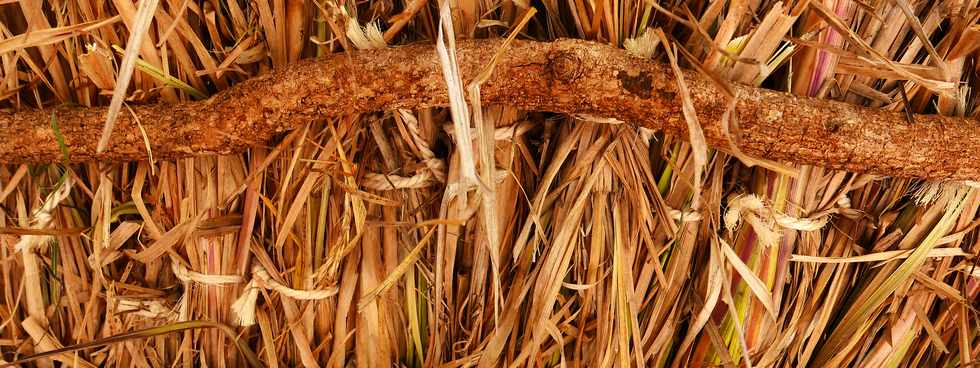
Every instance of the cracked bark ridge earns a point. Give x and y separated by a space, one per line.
567 76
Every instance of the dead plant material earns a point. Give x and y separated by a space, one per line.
566 76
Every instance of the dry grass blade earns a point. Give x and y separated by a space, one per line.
250 357
138 30
835 22
52 35
417 183
398 272
880 256
446 50
696 137
853 324
758 288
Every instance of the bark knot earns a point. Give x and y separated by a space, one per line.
564 66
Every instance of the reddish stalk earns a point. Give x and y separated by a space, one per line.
567 76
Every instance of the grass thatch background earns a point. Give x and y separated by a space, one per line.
582 250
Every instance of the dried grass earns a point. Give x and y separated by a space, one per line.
415 238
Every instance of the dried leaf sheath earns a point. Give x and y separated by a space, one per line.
569 76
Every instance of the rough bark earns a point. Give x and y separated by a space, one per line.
568 76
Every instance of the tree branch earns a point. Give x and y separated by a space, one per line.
568 76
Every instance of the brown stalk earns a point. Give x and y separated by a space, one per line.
567 76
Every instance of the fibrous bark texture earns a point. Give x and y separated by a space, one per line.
567 76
